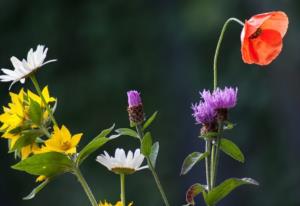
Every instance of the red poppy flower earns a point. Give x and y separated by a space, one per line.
262 37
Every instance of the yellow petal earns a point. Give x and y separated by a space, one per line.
76 139
41 178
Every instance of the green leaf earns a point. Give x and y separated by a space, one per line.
223 189
154 153
209 135
48 164
127 132
193 191
146 144
37 190
228 125
150 120
94 145
231 149
35 112
191 160
27 137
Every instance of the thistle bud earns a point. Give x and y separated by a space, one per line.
135 107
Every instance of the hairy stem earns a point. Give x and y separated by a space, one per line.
156 178
85 186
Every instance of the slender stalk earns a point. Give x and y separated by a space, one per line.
122 181
45 130
85 186
38 89
212 165
156 178
207 164
219 45
215 160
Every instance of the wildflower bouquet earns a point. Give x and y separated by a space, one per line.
47 149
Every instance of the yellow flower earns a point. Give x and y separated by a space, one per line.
117 204
28 150
38 99
61 141
41 178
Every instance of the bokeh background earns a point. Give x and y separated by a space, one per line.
165 50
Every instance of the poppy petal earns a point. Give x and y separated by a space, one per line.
277 21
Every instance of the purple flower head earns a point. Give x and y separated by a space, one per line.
134 98
221 99
203 113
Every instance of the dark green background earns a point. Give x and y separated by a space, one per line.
164 49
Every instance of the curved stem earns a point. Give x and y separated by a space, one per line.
122 181
38 89
85 186
219 45
152 169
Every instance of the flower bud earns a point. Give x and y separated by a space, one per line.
135 107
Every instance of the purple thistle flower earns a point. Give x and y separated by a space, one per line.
134 98
221 99
203 113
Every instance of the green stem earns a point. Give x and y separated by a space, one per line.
38 89
156 178
207 164
85 186
219 45
122 181
45 130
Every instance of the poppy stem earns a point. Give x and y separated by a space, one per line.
219 45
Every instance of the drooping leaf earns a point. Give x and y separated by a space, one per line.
191 160
150 120
223 189
193 191
48 164
35 112
127 132
27 137
94 145
37 190
146 144
154 153
231 149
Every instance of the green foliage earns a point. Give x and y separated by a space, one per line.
222 190
48 164
228 125
37 189
94 145
231 149
27 137
209 135
150 120
191 160
193 191
154 153
127 132
35 112
146 144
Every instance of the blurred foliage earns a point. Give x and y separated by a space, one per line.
165 50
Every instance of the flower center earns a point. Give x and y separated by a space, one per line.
65 145
256 34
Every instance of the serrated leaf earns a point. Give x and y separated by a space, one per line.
223 189
193 191
48 164
127 132
37 190
191 160
150 120
35 112
231 149
146 144
94 145
154 153
27 137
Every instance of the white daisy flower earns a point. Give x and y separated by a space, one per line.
121 164
35 60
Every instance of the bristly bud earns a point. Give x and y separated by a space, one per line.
135 107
